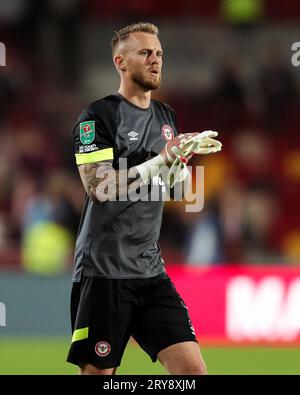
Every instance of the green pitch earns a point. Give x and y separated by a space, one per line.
47 356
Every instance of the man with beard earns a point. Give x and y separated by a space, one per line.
120 285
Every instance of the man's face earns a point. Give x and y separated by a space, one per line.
143 60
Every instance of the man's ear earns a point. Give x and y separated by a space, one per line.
120 62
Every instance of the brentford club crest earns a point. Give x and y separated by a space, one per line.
102 348
167 132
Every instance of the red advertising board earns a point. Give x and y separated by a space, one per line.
241 304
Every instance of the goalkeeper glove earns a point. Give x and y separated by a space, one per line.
190 144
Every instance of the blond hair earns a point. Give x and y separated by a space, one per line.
123 34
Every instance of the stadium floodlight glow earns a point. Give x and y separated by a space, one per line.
2 54
296 56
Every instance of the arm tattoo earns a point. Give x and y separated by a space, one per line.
102 182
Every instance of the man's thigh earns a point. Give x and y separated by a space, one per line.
163 318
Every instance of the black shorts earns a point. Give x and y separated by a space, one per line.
105 313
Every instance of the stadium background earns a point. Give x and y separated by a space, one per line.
227 67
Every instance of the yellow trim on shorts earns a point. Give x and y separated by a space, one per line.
80 334
97 156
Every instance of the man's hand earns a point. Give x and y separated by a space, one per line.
172 149
177 152
200 144
184 146
189 144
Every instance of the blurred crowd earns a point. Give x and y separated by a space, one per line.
251 211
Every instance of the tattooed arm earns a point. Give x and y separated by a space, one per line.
102 182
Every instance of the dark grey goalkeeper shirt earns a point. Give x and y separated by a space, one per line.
119 239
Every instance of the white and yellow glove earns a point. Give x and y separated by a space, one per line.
191 144
176 154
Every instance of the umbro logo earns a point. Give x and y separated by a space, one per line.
133 136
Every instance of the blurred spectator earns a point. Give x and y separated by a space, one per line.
61 27
50 224
253 154
231 93
46 248
230 206
278 88
231 89
14 82
291 246
12 11
204 246
260 213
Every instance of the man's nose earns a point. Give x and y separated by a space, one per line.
154 59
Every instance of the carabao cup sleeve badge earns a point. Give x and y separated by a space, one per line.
87 132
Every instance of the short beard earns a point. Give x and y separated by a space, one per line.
139 79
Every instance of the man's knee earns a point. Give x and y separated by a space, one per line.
183 359
88 369
189 368
198 370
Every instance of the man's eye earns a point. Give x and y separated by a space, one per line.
144 53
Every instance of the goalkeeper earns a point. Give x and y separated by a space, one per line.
120 287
